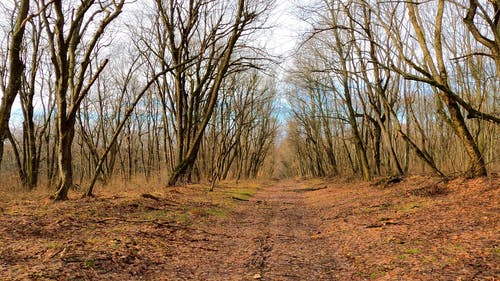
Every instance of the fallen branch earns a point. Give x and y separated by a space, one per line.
309 189
239 199
150 196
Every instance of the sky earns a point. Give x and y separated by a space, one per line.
286 30
283 39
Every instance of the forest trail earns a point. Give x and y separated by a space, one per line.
268 237
281 227
418 229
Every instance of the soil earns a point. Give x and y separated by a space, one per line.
416 229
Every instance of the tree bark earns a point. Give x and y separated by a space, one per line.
64 158
16 69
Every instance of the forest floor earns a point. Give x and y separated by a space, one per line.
417 229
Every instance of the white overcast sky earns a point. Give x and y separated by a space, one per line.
286 28
286 32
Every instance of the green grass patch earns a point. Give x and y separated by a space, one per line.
243 194
53 244
430 259
217 212
371 275
183 218
152 215
89 263
376 274
412 251
208 211
411 207
496 252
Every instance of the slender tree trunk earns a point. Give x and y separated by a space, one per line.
22 174
422 154
31 160
377 143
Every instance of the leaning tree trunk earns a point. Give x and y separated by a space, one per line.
438 78
16 69
185 164
478 166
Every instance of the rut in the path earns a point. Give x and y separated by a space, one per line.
284 244
269 237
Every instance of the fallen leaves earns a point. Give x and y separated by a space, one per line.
409 230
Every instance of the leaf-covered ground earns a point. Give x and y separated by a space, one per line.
417 229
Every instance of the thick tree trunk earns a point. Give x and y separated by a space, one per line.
185 165
478 166
64 160
361 152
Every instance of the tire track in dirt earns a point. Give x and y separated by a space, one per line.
284 227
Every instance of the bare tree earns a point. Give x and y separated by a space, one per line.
359 52
15 69
488 13
434 72
331 72
241 130
208 34
73 36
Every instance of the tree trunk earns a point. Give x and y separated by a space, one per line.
64 159
478 166
421 154
31 159
16 69
185 165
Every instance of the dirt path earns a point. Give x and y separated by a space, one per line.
302 231
419 229
282 226
270 237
